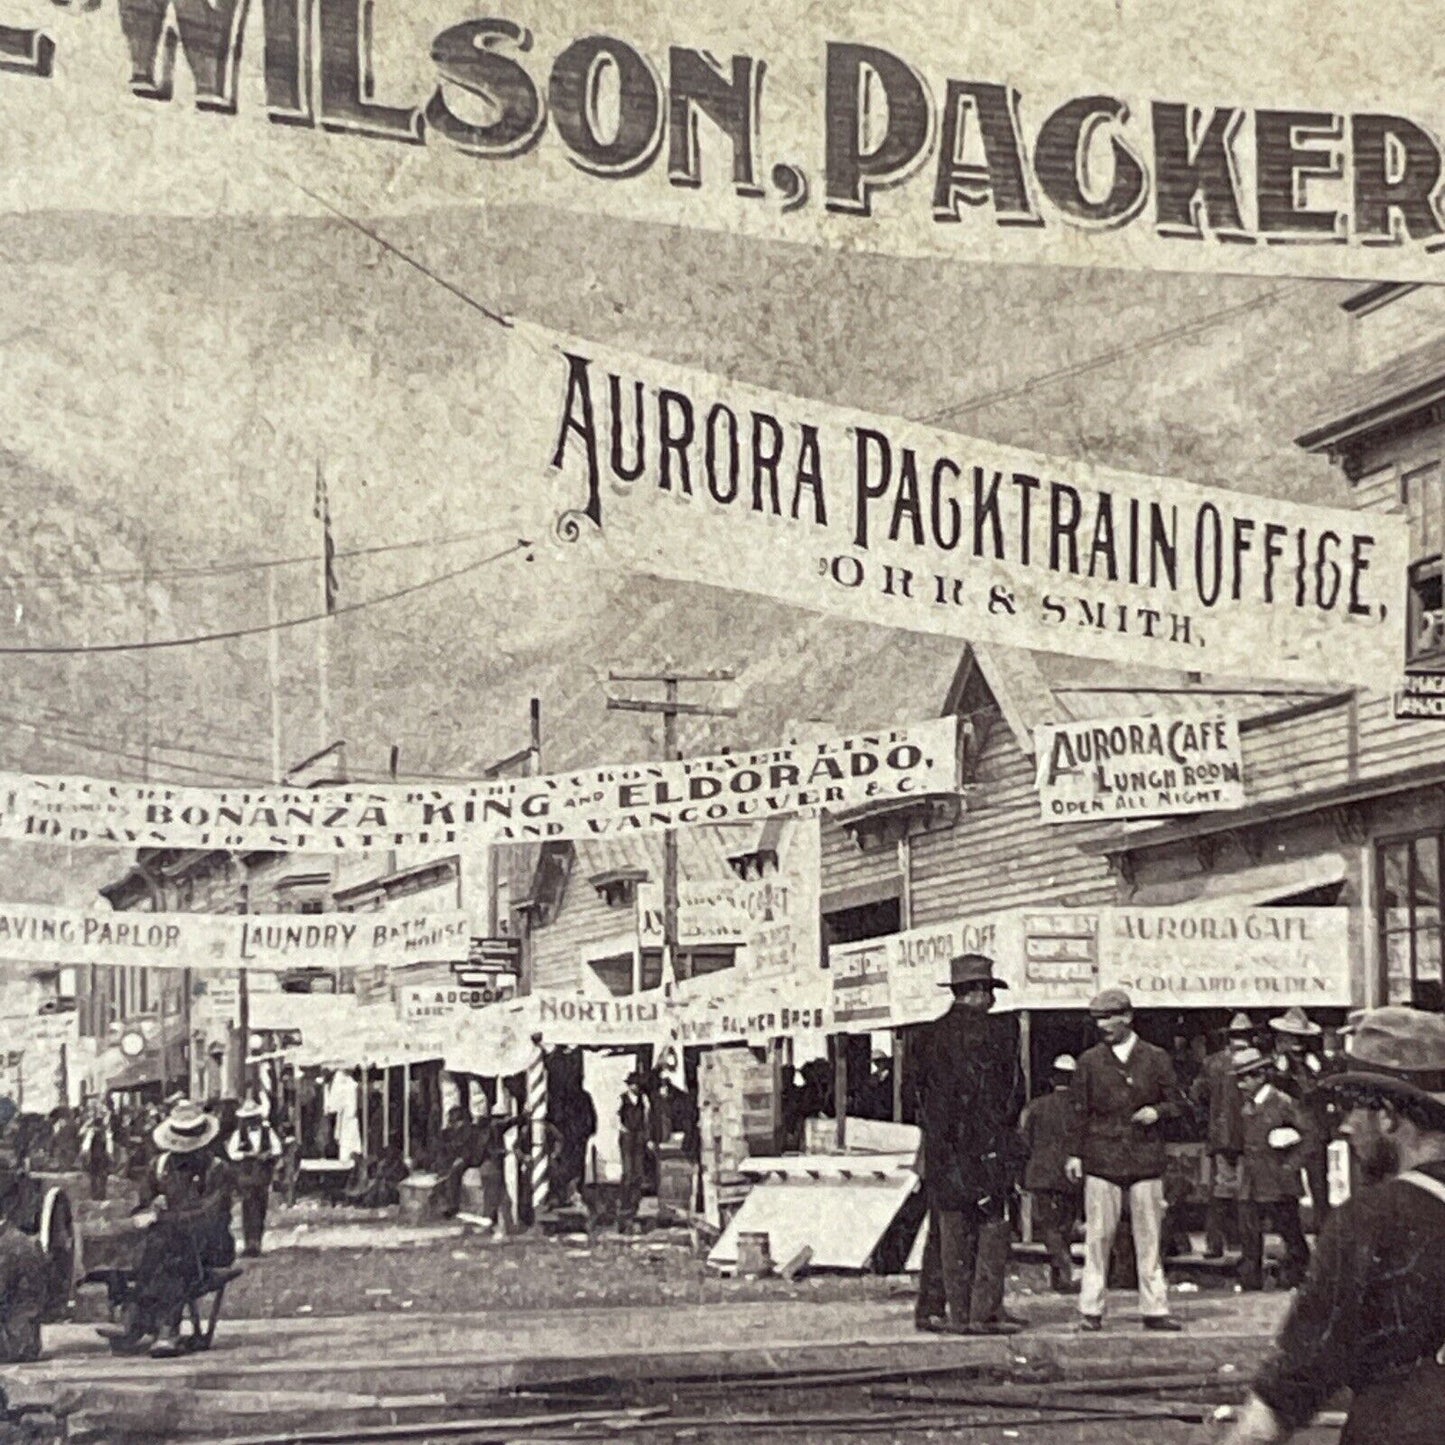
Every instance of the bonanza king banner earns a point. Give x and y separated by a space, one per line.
1143 767
589 803
1202 137
38 933
688 476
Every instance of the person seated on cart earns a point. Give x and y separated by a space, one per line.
24 1273
188 1223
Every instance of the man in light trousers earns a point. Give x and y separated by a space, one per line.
1123 1089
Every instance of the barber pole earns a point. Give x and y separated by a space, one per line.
537 1118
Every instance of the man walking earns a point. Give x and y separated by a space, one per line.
1047 1131
253 1150
969 1089
1216 1092
1124 1089
1269 1184
1370 1316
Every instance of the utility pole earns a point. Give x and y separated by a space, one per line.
671 709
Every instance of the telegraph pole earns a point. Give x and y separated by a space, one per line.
671 709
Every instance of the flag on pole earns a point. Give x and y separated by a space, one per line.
322 512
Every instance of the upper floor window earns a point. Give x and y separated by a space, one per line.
1408 887
1422 491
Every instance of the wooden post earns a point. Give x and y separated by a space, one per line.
1026 1218
406 1112
840 1091
386 1106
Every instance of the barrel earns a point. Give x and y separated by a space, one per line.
754 1260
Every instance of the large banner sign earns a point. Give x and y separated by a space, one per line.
593 802
1193 956
39 933
1179 141
1143 767
685 475
1215 956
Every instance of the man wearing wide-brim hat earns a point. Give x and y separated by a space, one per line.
1370 1316
968 1084
1214 1093
189 1222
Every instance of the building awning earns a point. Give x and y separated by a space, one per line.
1248 887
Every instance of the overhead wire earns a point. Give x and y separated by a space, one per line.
259 629
226 569
1108 358
81 742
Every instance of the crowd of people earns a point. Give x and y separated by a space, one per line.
1093 1147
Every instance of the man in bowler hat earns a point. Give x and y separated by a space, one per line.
969 1092
1370 1316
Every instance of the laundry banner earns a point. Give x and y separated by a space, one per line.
1144 767
37 933
685 475
593 802
1180 138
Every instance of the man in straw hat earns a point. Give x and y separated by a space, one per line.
189 1222
1216 1093
1047 1131
1124 1089
1269 1184
1370 1316
969 1088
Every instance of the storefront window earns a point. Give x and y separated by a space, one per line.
1409 888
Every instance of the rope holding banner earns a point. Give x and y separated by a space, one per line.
537 1118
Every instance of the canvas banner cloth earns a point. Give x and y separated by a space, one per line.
591 802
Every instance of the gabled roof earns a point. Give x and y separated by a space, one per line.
1403 386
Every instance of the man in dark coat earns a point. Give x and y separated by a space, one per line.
1299 1071
188 1222
969 1091
1269 1185
1370 1316
634 1118
1047 1133
1216 1094
1124 1089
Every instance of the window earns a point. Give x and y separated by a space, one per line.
1408 879
1426 621
1422 492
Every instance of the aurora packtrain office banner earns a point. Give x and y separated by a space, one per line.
686 475
591 802
1213 137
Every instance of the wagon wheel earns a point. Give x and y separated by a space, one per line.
57 1243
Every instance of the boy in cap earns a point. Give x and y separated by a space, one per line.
1269 1186
1124 1089
1370 1316
969 1087
1047 1130
1215 1091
